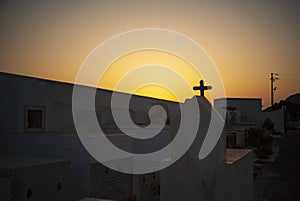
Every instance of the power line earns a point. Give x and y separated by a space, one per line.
289 79
290 75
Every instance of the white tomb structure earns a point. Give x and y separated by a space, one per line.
32 178
36 120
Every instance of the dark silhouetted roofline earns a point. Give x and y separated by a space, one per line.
254 99
71 84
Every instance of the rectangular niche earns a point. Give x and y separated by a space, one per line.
34 118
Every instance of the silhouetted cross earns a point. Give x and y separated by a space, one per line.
202 88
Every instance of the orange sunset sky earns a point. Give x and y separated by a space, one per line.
247 40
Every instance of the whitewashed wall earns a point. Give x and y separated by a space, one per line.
249 108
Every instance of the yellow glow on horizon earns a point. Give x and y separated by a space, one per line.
159 91
152 73
140 73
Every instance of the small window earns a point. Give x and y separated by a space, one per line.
34 119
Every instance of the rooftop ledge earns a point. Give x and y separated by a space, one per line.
233 155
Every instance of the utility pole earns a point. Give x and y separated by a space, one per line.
273 79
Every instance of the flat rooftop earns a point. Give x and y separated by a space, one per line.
15 162
233 155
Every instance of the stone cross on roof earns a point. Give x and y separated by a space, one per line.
202 88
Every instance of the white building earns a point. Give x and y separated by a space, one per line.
36 120
245 109
245 113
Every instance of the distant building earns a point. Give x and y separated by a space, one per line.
245 113
241 115
241 109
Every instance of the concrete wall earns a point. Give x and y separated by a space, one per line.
56 141
13 90
19 92
34 179
236 180
191 178
59 139
242 179
56 98
69 147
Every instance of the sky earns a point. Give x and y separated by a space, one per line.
247 40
